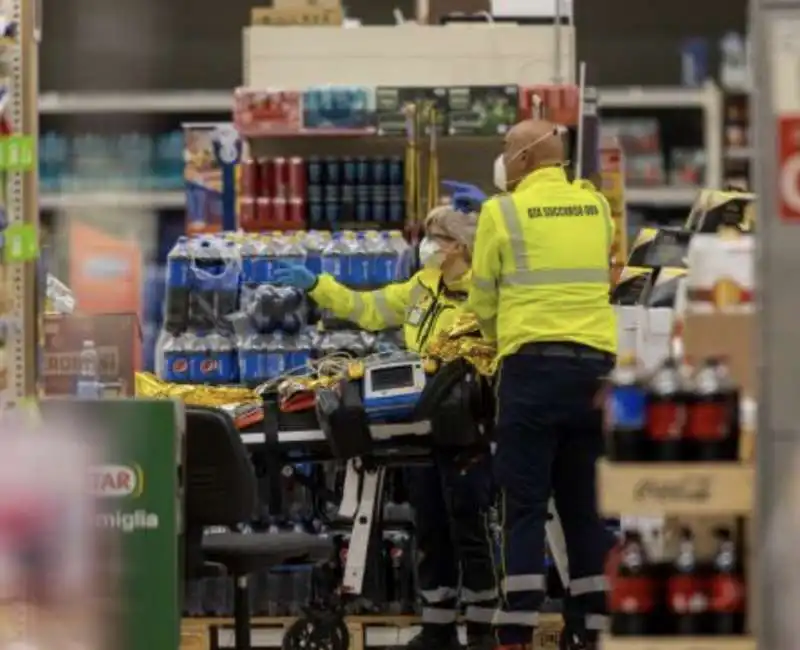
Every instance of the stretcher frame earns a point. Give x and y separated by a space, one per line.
362 498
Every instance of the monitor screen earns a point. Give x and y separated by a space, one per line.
394 377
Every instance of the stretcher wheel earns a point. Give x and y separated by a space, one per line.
317 630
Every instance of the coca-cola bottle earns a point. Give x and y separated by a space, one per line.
712 414
687 598
727 588
633 590
666 412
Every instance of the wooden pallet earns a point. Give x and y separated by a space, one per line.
365 632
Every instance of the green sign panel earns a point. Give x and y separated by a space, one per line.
20 243
18 153
137 512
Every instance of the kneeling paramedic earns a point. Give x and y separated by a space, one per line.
452 498
540 288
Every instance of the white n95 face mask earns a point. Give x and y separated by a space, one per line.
430 254
500 175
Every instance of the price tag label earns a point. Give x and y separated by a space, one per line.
21 243
17 153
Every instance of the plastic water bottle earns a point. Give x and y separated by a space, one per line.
220 366
179 286
333 261
226 285
176 358
314 243
383 261
290 251
300 351
360 255
88 385
275 356
250 251
405 255
207 265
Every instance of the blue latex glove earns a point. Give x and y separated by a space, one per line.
466 197
294 275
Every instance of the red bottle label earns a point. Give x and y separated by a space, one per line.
665 420
707 421
686 594
632 595
727 594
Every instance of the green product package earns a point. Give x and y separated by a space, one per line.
138 513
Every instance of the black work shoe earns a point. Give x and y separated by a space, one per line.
481 641
576 641
431 638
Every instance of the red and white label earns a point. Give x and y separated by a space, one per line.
789 171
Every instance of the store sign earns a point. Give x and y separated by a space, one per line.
789 167
18 153
116 481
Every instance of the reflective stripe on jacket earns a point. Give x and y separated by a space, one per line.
540 269
423 305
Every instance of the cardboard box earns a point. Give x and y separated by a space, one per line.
728 336
298 12
118 340
721 274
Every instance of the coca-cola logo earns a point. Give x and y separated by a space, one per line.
695 489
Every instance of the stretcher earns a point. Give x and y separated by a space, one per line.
362 497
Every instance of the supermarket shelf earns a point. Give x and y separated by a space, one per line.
675 488
164 102
123 199
664 197
738 153
679 643
655 97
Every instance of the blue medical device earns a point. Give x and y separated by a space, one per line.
391 388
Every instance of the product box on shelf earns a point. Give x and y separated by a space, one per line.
204 179
557 103
721 274
715 209
117 338
482 110
339 109
268 112
391 103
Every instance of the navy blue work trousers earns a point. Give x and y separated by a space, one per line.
549 437
452 499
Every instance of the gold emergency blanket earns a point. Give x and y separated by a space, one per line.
148 385
464 341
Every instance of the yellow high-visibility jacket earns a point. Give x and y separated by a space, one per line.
540 269
424 306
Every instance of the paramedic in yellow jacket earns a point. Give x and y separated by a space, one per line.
451 501
540 288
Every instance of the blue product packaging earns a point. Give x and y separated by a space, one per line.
176 352
628 406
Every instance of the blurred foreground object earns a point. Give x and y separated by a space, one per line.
47 542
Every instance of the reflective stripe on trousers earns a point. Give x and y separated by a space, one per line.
439 606
523 275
